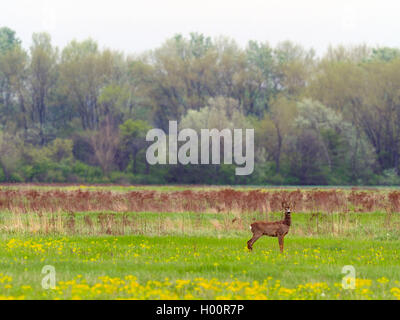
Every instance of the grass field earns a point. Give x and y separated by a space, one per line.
196 255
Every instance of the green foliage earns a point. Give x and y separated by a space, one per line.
151 246
60 149
134 129
114 100
385 54
2 176
8 39
389 177
332 120
133 138
86 173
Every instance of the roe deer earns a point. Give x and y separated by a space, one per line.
273 229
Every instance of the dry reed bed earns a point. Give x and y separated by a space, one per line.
210 201
120 213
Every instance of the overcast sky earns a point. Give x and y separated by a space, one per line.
134 26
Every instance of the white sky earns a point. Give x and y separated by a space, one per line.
137 25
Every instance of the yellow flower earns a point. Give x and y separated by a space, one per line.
396 292
383 280
363 283
181 283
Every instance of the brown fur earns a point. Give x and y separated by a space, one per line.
277 229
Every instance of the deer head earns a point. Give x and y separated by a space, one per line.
287 206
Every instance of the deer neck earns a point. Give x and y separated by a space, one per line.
288 219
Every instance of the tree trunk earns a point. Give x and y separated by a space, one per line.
135 161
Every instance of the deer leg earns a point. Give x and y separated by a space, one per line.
255 237
280 239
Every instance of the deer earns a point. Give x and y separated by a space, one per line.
277 229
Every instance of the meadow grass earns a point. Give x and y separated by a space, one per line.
354 225
144 267
196 255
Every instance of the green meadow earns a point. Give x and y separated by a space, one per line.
199 256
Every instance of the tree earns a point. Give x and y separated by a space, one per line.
380 113
341 86
275 127
385 54
140 85
12 61
258 83
333 147
60 149
85 71
230 62
293 66
113 102
219 113
42 78
105 144
13 76
184 76
353 54
8 39
366 95
9 154
133 138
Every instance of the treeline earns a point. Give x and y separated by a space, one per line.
81 114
